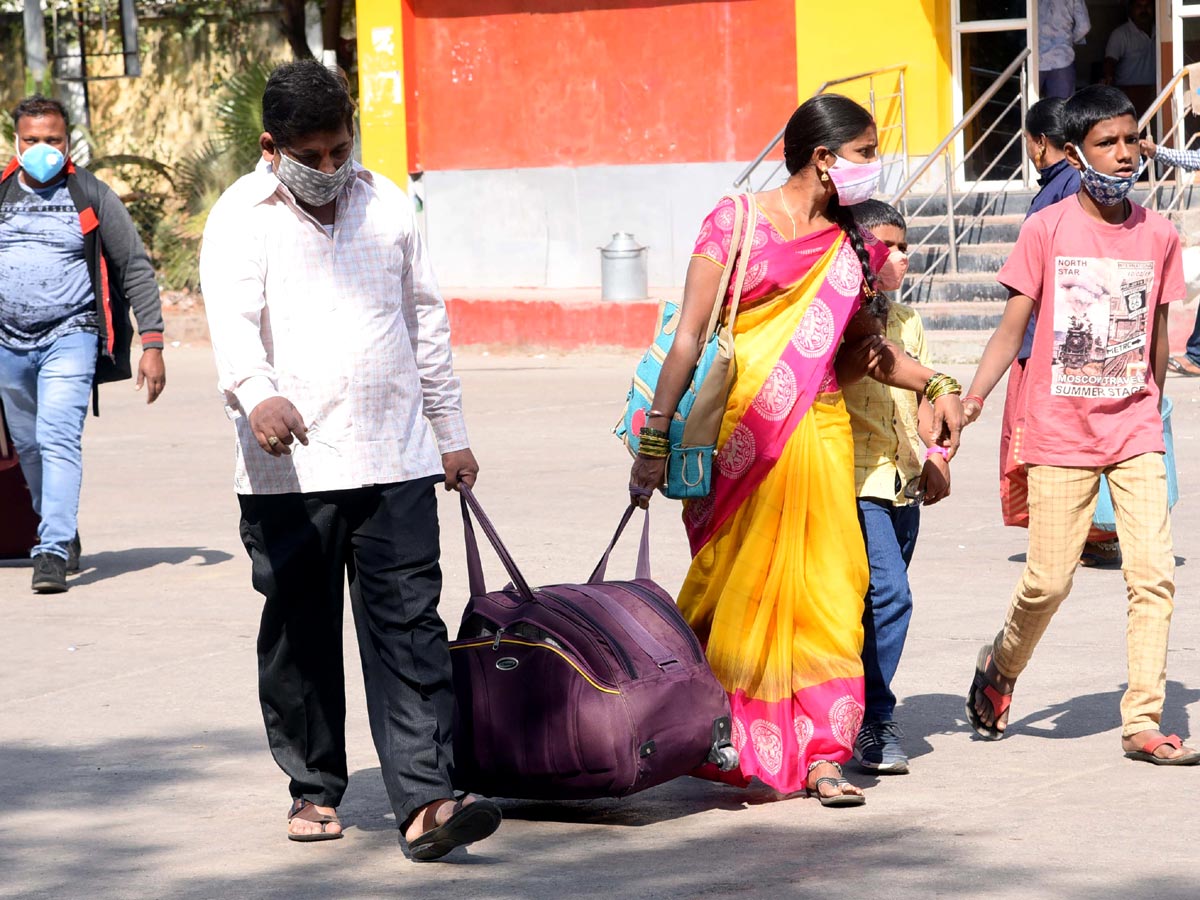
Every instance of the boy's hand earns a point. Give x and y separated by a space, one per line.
1148 147
971 409
855 360
936 478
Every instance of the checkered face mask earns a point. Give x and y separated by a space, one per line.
310 186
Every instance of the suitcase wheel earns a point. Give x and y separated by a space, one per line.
726 758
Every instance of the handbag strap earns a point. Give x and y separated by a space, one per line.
474 566
643 559
735 244
747 246
741 242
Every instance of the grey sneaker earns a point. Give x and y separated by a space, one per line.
49 574
73 550
877 749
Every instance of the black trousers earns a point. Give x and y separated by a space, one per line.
302 548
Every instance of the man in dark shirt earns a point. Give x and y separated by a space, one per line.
53 325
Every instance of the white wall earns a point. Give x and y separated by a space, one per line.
541 227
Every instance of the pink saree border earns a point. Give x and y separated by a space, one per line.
804 370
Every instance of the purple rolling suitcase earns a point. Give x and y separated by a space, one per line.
18 521
575 691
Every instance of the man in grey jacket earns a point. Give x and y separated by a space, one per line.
71 267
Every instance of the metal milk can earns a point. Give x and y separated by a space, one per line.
623 269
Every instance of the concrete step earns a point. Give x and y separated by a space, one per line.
990 230
972 258
999 203
966 288
1016 202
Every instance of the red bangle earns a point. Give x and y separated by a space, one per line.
976 398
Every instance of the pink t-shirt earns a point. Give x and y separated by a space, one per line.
1089 393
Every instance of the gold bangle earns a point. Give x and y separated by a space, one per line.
652 432
649 454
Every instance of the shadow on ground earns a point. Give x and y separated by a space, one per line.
924 715
604 848
111 563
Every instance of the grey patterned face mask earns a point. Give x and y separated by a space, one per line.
310 186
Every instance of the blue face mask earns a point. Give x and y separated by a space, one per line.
42 162
1108 190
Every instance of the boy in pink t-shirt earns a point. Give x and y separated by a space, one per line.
1099 271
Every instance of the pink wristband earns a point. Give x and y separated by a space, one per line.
943 452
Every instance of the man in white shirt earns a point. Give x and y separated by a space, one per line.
333 352
1061 25
1129 55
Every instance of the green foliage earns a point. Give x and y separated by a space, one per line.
239 113
202 176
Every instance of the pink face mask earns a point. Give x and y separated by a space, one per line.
855 182
893 270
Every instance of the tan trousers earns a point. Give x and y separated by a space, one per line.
1061 504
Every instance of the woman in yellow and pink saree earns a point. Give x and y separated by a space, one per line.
779 572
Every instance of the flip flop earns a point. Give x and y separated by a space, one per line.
1146 754
306 810
1183 366
472 822
840 798
1000 702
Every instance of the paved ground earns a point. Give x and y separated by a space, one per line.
133 764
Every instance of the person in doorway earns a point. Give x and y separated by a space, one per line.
1061 25
333 352
1100 271
1057 180
71 267
1187 363
897 466
1129 55
775 590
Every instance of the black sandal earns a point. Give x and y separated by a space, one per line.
471 822
307 811
838 799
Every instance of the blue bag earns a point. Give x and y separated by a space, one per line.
696 424
1104 517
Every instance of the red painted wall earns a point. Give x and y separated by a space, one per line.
508 84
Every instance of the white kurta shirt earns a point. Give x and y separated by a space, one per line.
351 329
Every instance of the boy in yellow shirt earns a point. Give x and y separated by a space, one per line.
896 468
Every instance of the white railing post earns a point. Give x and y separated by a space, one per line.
951 225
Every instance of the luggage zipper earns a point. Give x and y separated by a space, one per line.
671 615
618 651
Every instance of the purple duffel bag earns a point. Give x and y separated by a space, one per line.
575 691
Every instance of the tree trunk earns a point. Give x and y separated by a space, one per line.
292 23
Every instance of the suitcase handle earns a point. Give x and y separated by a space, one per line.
474 565
643 558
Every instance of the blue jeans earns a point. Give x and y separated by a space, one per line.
890 533
1193 344
45 394
1058 82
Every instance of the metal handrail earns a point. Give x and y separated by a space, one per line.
744 178
1175 134
967 118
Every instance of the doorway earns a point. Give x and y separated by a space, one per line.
987 36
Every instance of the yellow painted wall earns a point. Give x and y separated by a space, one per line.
841 39
382 114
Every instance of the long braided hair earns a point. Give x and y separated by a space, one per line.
830 120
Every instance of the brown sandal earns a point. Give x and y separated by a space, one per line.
306 810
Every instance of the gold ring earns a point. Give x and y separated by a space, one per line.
273 441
